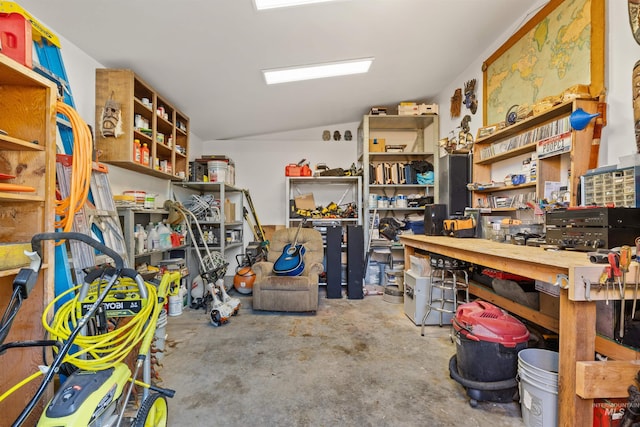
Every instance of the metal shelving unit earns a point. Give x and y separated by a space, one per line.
418 135
229 233
326 189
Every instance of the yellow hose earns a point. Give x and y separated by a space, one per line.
20 384
97 352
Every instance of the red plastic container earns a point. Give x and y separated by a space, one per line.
16 38
295 170
482 321
487 344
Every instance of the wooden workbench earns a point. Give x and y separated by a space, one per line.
576 324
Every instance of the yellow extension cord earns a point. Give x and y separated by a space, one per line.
80 169
103 351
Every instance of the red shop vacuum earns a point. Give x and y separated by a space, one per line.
487 344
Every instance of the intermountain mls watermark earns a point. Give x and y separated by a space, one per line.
615 410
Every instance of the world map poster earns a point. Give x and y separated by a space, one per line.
552 55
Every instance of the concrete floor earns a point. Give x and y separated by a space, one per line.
353 363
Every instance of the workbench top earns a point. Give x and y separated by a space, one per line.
537 263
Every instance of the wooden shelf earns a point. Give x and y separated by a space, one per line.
507 188
28 152
13 144
565 108
528 313
549 167
127 89
507 155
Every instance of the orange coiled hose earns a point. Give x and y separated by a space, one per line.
81 167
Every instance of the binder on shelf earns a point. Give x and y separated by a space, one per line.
410 174
393 167
402 178
380 173
387 173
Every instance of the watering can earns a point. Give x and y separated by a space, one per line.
579 119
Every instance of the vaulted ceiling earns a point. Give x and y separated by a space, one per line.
207 55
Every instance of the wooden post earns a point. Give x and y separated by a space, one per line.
577 342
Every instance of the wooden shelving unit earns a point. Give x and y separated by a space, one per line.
27 151
562 166
167 134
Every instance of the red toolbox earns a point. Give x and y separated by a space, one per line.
293 169
16 38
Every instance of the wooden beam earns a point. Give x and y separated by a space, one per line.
615 350
511 306
610 378
577 342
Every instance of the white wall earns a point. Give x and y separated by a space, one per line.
260 162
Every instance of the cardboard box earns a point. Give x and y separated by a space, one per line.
377 145
305 201
549 305
270 229
229 211
413 109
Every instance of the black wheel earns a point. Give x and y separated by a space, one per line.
153 412
216 319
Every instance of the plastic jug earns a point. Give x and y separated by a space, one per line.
137 151
164 234
145 154
141 239
153 238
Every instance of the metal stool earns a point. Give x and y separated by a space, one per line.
448 276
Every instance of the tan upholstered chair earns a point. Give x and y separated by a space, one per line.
289 293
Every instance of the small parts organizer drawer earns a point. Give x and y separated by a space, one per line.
620 187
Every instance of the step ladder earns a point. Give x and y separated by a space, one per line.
100 220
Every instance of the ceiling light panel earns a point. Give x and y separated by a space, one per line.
317 71
272 4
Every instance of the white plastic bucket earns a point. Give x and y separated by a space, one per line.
217 170
538 372
175 305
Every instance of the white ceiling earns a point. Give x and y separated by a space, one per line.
206 55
